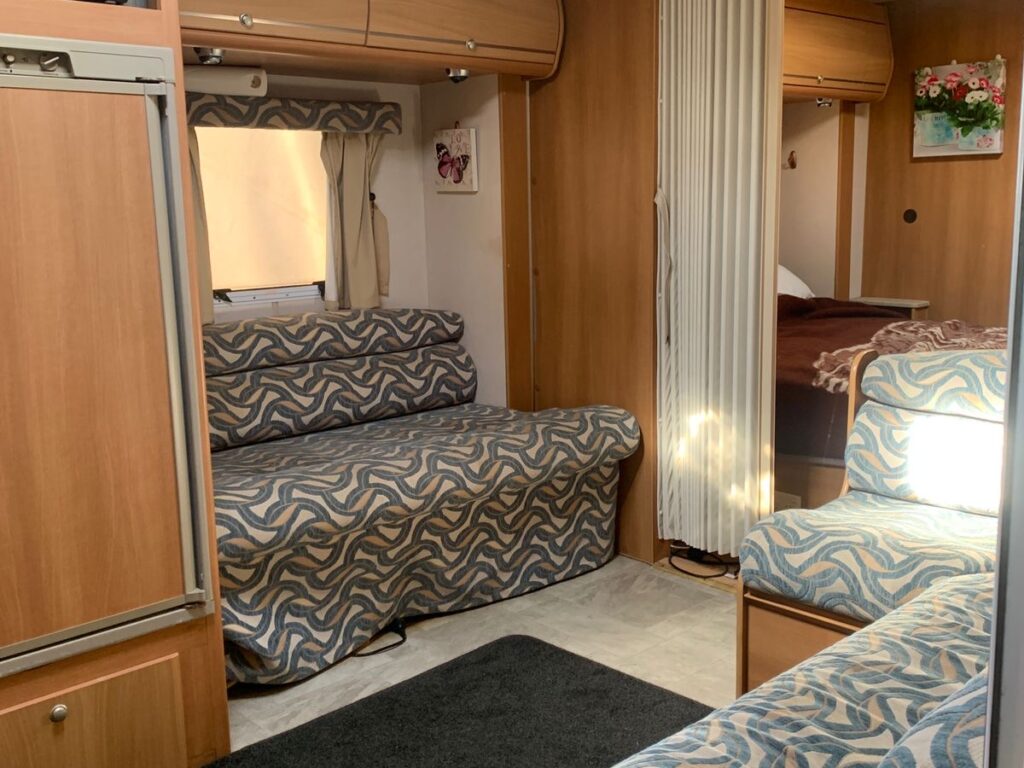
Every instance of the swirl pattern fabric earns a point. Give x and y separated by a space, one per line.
969 384
288 400
852 703
952 735
206 109
946 461
266 342
863 555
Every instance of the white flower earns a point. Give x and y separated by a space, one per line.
974 83
982 95
934 91
922 91
926 71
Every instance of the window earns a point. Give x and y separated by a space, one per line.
266 206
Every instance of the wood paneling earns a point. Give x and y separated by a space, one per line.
515 235
132 717
195 644
89 491
844 198
958 252
338 21
836 49
528 30
593 173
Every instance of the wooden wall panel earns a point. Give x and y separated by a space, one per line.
958 252
594 154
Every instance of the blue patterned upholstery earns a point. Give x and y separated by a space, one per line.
332 520
923 462
953 735
863 555
854 702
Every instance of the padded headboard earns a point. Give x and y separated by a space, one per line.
931 429
284 376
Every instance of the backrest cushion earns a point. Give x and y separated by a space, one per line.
931 431
280 377
953 734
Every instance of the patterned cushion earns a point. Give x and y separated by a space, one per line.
953 735
863 555
286 376
270 341
851 703
954 383
947 461
260 405
325 538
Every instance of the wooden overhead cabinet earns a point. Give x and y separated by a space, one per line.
837 49
514 30
330 21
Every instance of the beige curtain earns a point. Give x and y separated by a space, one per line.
204 275
382 245
349 160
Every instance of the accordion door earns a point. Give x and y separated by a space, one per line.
90 509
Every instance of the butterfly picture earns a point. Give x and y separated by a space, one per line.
455 151
451 167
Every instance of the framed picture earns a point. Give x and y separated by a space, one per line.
960 109
456 160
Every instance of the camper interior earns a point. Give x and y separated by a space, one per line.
510 383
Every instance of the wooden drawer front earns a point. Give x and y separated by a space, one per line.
333 21
132 718
836 53
89 507
525 30
777 642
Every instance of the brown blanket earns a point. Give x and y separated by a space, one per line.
906 336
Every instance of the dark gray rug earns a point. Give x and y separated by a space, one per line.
515 703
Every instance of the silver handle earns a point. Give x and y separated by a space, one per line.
471 44
59 713
246 19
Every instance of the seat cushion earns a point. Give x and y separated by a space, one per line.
953 735
317 487
850 704
863 555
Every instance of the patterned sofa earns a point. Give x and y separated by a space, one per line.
909 690
923 467
356 482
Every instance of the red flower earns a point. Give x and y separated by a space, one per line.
997 100
960 92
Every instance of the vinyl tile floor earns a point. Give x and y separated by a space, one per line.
644 621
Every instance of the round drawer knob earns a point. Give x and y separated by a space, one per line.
246 20
59 713
471 44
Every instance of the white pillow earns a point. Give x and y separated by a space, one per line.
792 285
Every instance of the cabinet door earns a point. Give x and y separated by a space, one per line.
333 21
828 54
133 718
522 30
90 520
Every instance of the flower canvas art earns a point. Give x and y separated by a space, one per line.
455 150
960 109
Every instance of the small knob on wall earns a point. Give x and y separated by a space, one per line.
59 713
471 44
246 20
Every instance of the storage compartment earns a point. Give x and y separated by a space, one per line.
333 21
521 30
837 49
130 718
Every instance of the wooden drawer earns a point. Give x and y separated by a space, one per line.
131 718
837 49
522 30
333 21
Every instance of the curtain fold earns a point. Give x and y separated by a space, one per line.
350 160
204 275
710 208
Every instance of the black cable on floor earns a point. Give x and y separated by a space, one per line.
678 549
396 627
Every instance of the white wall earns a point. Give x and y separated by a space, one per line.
463 231
398 183
807 225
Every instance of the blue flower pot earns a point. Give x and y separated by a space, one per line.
935 130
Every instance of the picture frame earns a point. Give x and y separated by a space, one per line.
456 160
960 109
